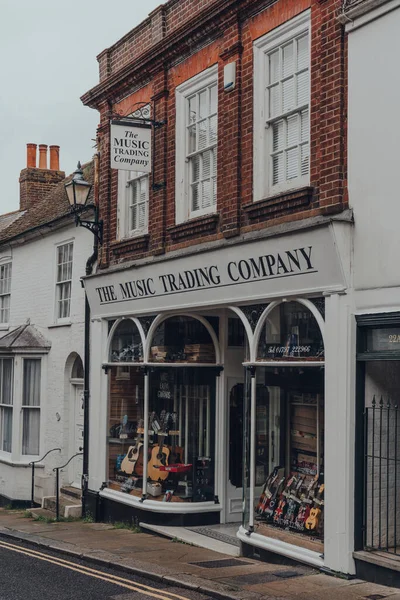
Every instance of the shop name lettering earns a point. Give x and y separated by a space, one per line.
131 150
246 270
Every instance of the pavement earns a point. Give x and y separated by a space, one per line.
183 565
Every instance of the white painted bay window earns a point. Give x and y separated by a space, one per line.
64 280
6 404
5 292
31 406
282 108
196 145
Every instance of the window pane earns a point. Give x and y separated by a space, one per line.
31 385
292 129
305 159
195 170
302 88
202 134
193 109
203 104
206 165
213 129
142 216
5 428
30 431
133 218
195 197
304 127
213 99
292 166
277 136
6 381
288 60
192 139
206 193
277 169
274 67
274 101
4 309
288 94
302 52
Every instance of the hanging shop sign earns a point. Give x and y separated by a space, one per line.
301 263
131 146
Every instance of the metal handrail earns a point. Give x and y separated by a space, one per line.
32 464
57 470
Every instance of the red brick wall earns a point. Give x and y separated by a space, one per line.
35 184
240 23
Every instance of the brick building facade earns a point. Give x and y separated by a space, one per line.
220 305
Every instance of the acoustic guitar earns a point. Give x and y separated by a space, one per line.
314 518
159 453
133 461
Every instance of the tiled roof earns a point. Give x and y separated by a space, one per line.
53 207
23 338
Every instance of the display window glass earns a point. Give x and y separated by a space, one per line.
125 421
126 344
291 332
181 433
289 440
183 340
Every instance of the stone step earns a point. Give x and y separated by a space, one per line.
68 507
74 492
40 512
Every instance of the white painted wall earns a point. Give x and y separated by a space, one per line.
374 159
33 297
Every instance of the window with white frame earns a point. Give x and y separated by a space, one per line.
282 108
31 406
5 292
6 403
133 203
64 280
196 145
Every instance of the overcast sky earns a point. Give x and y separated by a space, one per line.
48 52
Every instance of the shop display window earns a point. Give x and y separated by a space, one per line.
125 421
126 343
183 340
181 456
291 332
289 442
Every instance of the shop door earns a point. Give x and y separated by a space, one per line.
234 491
77 463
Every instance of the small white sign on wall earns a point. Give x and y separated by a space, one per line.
131 146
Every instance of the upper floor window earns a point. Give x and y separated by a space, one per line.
281 108
133 203
196 145
64 280
5 292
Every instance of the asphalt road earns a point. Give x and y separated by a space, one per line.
30 573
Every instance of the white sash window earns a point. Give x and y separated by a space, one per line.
31 406
281 108
63 281
6 403
5 292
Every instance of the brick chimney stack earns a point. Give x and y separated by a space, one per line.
35 183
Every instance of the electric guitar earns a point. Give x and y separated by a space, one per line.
269 511
294 502
283 501
159 453
266 493
306 500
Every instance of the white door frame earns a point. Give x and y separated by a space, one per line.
73 474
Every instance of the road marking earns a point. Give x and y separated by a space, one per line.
109 578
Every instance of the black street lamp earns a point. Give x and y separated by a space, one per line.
78 190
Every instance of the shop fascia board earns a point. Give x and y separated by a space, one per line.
161 507
365 12
276 231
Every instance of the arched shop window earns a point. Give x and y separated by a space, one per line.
288 425
183 339
126 343
290 333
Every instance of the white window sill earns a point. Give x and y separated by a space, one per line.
4 327
61 324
